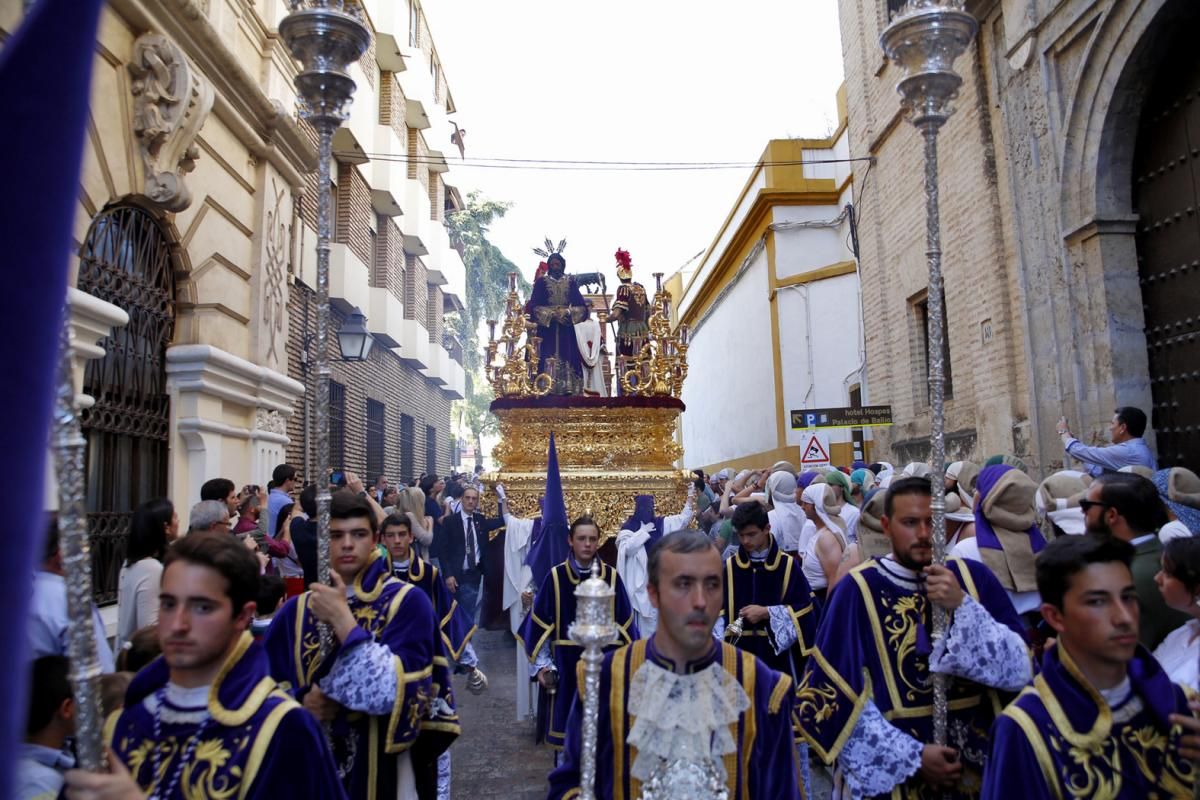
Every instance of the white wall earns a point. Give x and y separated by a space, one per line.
800 250
826 310
730 389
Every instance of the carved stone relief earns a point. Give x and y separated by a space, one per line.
270 421
276 247
170 103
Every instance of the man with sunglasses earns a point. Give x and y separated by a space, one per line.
1127 506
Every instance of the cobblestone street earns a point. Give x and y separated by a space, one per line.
495 757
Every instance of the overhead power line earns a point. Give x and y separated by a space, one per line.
589 166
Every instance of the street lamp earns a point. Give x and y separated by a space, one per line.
353 337
924 39
325 36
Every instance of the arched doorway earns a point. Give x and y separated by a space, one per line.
1166 198
126 260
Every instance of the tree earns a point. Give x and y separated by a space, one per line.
487 272
474 413
486 292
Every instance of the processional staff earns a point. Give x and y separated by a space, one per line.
325 36
69 446
592 630
924 39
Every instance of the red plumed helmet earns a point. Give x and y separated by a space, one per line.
624 265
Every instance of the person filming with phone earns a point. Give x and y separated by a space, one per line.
1128 448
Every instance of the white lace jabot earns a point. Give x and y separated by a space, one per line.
683 719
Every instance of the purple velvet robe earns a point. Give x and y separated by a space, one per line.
548 622
549 296
1060 739
400 616
775 581
873 643
263 745
766 757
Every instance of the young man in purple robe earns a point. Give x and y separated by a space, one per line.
866 701
1101 718
441 728
681 707
375 687
556 304
552 654
206 719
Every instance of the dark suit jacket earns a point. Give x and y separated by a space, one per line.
454 544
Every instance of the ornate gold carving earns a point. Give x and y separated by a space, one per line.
606 457
660 367
511 363
515 375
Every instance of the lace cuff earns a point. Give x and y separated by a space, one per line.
469 657
363 679
719 628
980 649
542 661
783 628
878 755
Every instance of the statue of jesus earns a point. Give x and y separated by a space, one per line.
556 304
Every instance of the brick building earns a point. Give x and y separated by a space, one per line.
391 258
1069 227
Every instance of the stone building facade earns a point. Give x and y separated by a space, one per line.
1068 223
195 235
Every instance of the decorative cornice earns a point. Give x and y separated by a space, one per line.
171 100
262 124
92 320
211 371
1124 225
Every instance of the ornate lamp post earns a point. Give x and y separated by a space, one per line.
924 39
325 36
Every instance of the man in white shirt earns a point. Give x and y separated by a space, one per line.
48 622
464 550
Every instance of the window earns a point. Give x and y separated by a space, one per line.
407 458
337 425
126 260
375 438
431 465
414 24
435 70
921 318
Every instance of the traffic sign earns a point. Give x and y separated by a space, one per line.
814 451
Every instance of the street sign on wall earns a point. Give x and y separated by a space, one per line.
863 417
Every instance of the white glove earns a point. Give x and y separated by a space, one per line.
646 527
500 492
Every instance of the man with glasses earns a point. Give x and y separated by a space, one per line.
1128 507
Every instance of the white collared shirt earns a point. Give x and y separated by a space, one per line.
469 541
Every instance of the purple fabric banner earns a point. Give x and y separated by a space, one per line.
45 79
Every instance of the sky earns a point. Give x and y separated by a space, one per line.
629 80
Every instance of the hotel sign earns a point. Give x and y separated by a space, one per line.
863 417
